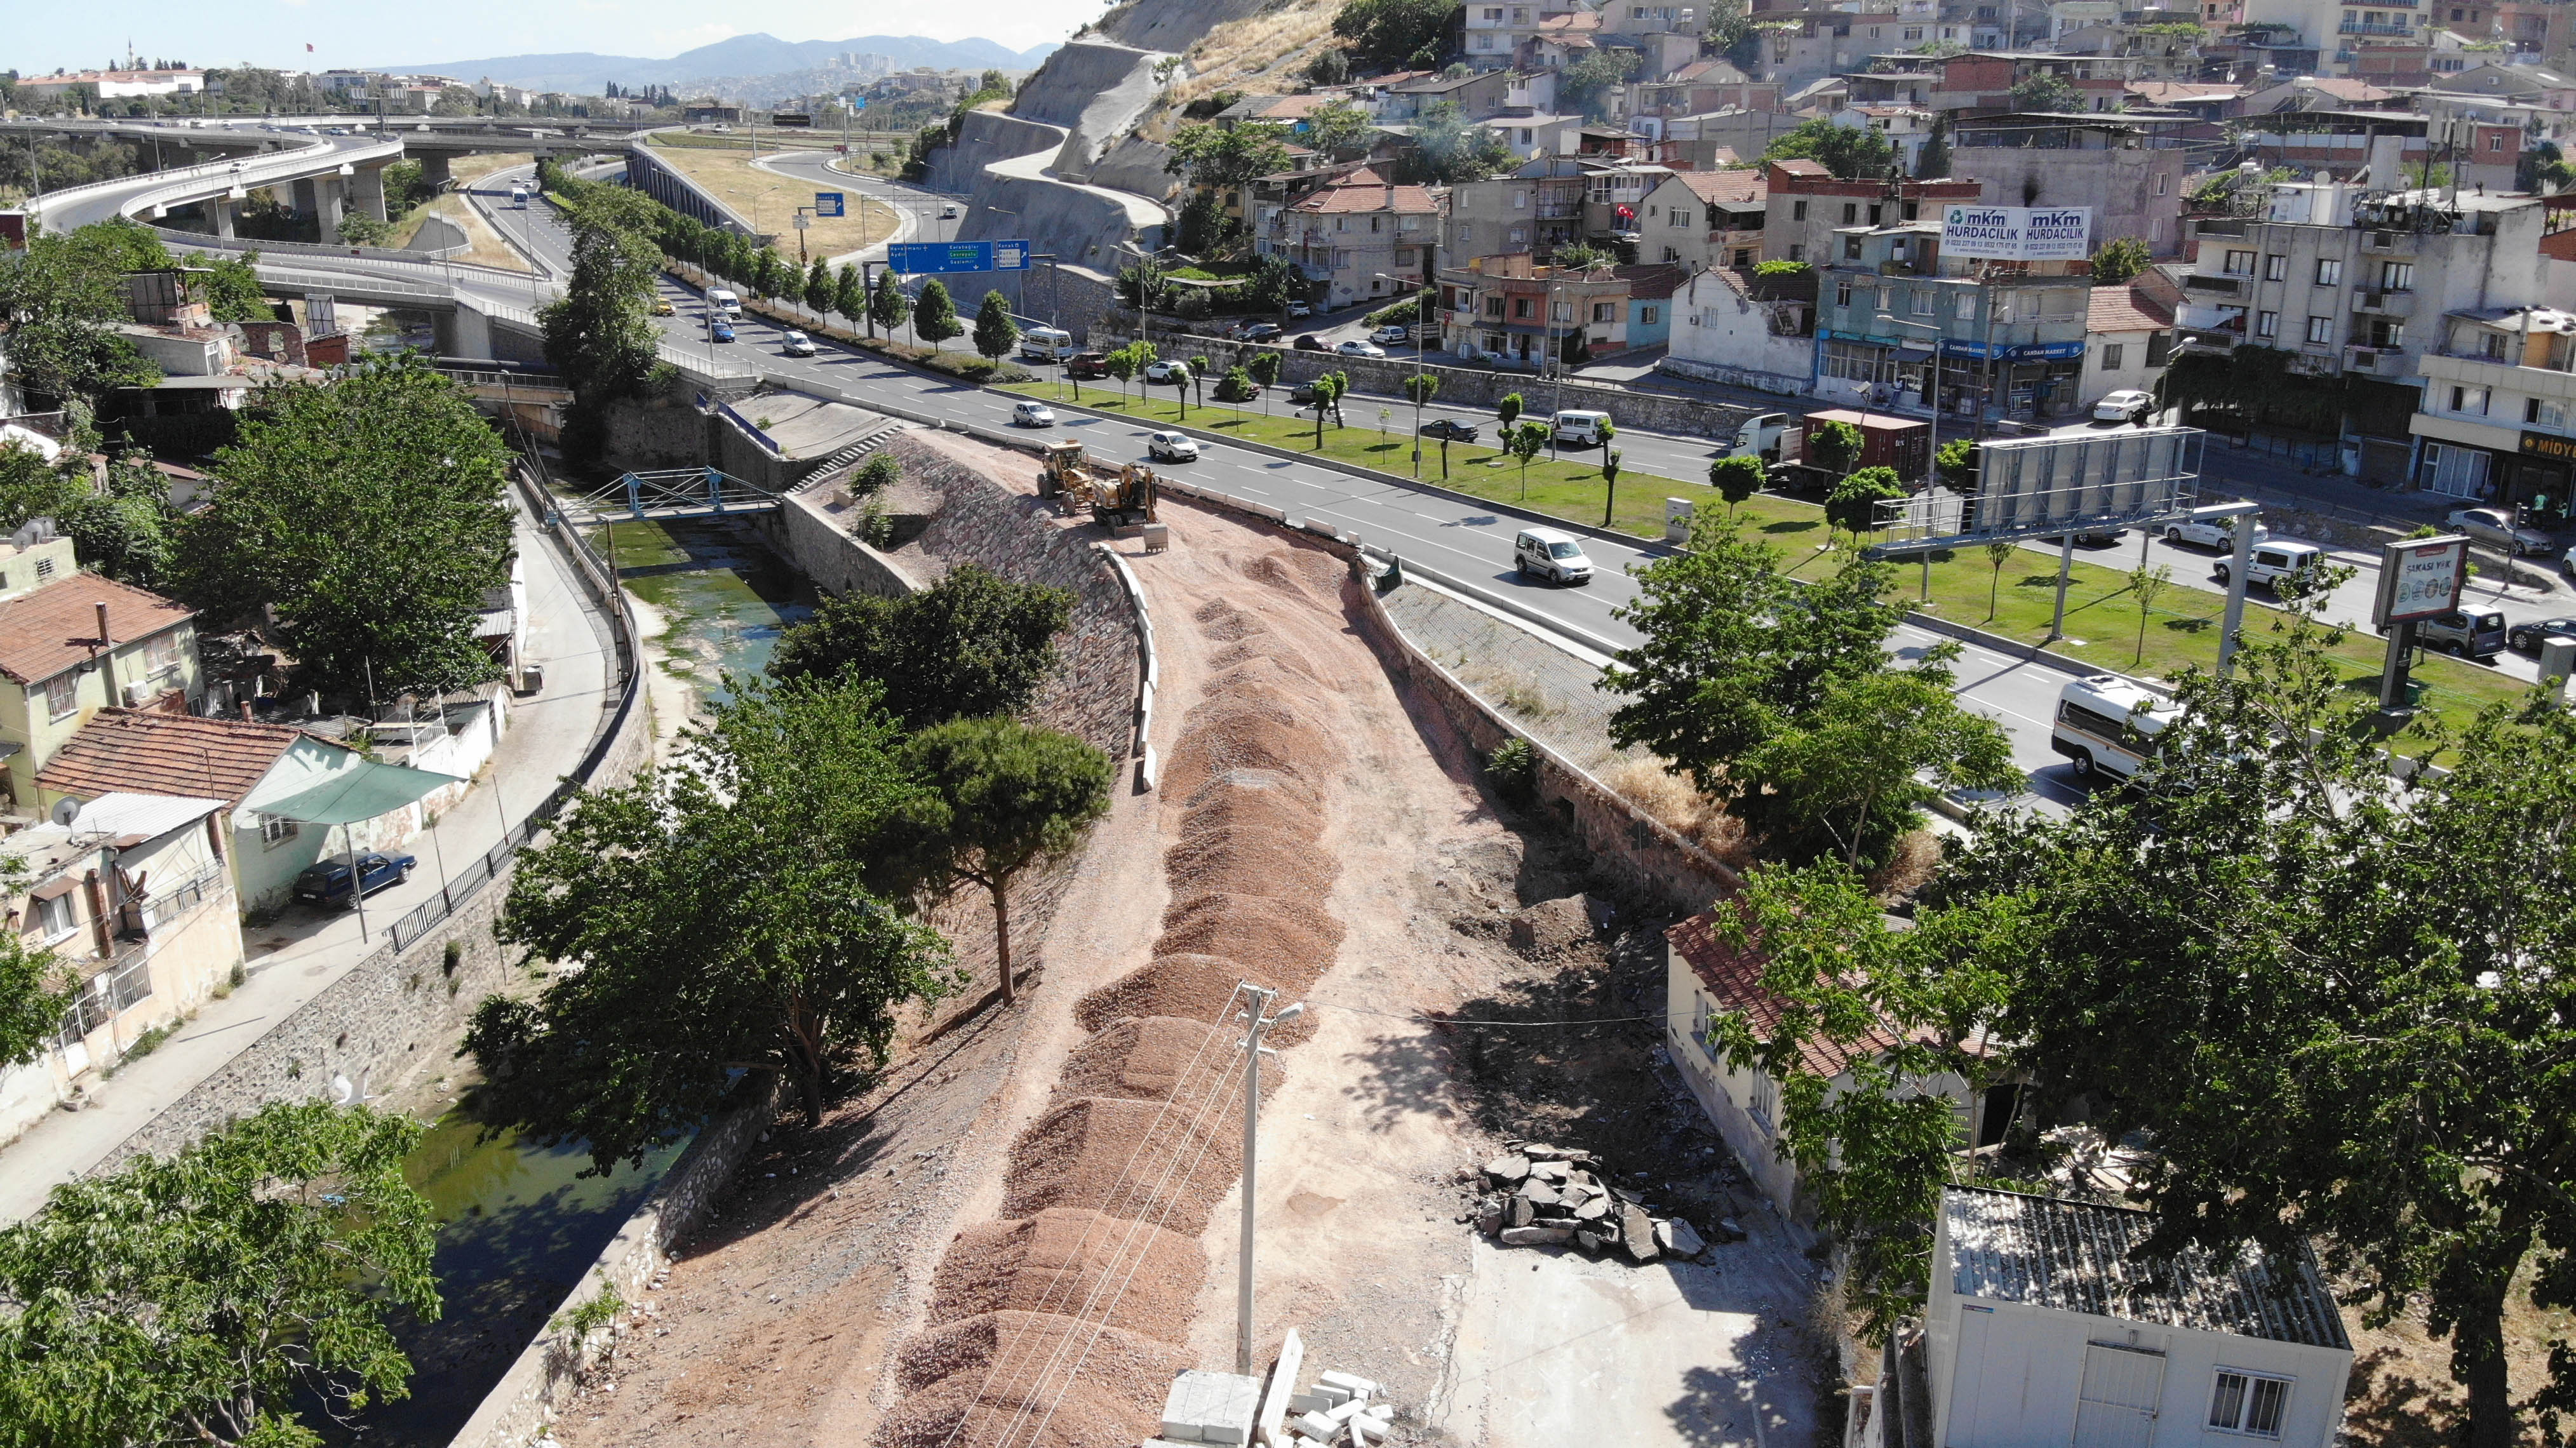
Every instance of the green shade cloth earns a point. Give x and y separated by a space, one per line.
345 789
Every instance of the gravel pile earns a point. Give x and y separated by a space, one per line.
1192 986
1076 1155
1114 1400
1143 1060
1242 800
1244 862
1058 1262
1274 936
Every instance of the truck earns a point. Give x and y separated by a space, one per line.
1115 499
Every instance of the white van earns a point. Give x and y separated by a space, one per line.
1046 344
519 194
2274 559
1581 429
1550 554
2106 726
723 303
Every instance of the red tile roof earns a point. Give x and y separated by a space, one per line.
1801 166
1365 190
2121 309
146 753
1651 281
1732 188
56 627
1733 978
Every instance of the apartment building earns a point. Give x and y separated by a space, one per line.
1888 304
1701 219
1497 36
2363 280
1804 203
1520 314
1535 209
2120 168
1665 36
1360 236
2498 419
74 643
1803 47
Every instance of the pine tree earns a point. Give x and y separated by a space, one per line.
995 332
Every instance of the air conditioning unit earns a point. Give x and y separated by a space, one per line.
137 695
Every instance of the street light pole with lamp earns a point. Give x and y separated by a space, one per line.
1421 303
1932 443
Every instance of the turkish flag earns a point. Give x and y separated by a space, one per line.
308 46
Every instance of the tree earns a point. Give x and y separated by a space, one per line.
2145 585
1456 149
1732 649
1508 411
1609 482
1999 552
1731 33
2046 92
63 298
1236 386
1853 504
600 334
1526 441
2382 966
1202 220
1335 128
970 645
1851 153
1328 396
34 993
1851 775
1834 446
933 315
1221 159
763 280
2119 260
1736 479
1956 462
368 518
360 229
1331 66
211 1296
820 290
888 307
232 288
1585 85
850 296
720 914
999 797
995 332
1124 364
1198 376
1264 368
1385 34
1421 387
1932 163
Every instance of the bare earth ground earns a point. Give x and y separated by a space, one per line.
862 1279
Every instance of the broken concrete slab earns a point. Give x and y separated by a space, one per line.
1677 1237
1549 1171
1519 1213
1637 1234
1539 1194
1535 1236
1507 1170
1593 1210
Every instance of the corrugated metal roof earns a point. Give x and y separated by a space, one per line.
2076 1257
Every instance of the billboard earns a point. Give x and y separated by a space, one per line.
2017 233
2420 578
2038 486
920 258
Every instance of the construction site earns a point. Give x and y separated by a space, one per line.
1030 1229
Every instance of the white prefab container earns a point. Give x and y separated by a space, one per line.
2042 1331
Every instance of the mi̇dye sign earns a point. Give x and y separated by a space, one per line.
2018 233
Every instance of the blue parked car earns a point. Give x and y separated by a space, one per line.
722 329
328 882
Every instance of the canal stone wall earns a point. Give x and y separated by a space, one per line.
811 530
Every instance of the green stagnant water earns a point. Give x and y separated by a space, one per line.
519 1224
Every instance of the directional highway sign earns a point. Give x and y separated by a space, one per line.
918 258
829 203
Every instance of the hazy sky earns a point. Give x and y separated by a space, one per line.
41 35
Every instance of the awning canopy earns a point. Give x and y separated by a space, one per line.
345 790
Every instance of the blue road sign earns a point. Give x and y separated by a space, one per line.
828 203
922 258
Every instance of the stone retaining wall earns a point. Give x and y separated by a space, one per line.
810 531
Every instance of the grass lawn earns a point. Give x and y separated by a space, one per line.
2101 609
769 200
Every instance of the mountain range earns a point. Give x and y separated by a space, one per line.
585 73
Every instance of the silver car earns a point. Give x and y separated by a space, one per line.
2495 526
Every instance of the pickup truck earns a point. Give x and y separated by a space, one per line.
328 882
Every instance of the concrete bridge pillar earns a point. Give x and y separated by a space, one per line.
434 167
330 194
463 332
367 191
219 211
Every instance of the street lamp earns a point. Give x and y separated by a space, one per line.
1932 443
1421 302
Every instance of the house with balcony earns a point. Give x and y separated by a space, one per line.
2498 419
74 643
1536 209
1804 204
1806 46
130 896
1701 219
1359 236
1495 37
1520 314
2357 281
1901 328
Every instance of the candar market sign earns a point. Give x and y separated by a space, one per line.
2018 233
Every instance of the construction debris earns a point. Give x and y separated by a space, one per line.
1206 1407
1546 1196
1339 1409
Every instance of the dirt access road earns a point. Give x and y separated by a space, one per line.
866 1280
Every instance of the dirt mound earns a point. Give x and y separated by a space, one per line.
1280 863
1143 1060
1074 1262
1264 647
1194 986
1107 1385
1551 926
1247 799
1280 571
1131 1159
1249 733
1222 622
1287 939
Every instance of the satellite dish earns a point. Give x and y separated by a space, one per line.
65 811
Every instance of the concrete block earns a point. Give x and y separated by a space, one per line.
1282 1386
1206 1407
1317 1427
1536 1236
1350 1408
1351 1383
1333 1397
1309 1403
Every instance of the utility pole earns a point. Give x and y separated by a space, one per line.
1252 1049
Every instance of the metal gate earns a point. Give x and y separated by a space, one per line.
2116 1408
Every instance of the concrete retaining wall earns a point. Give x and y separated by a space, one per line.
810 532
983 138
1136 164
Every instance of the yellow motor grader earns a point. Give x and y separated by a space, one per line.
1114 498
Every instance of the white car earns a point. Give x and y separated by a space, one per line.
948 213
797 344
1551 554
1358 348
2126 405
1032 414
1300 309
1391 335
1167 372
2493 525
1176 447
2199 527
